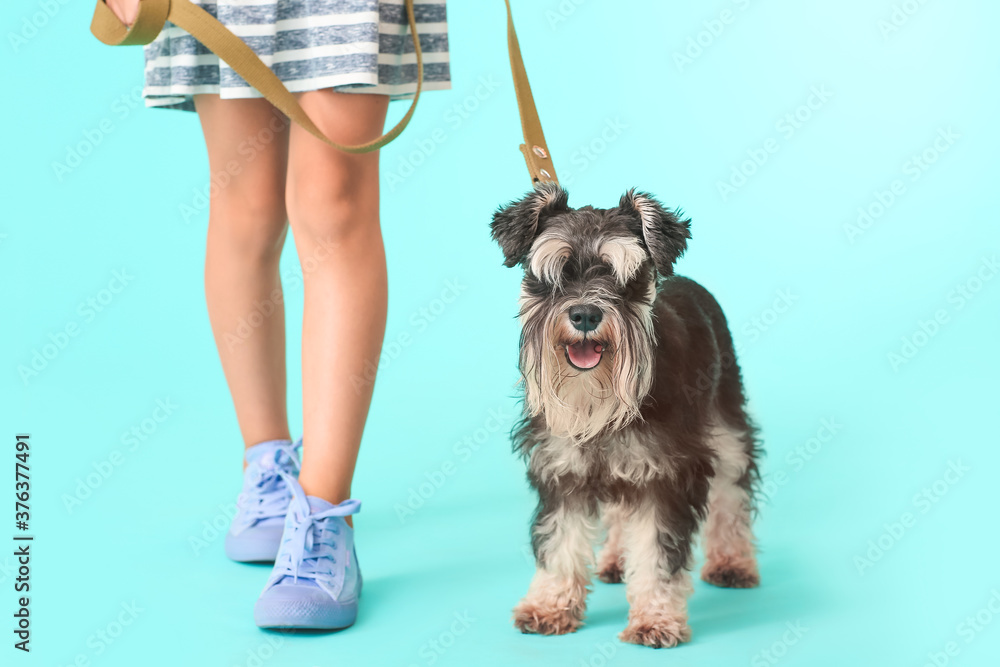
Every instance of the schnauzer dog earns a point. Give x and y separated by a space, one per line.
634 415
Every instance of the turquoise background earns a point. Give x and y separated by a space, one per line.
817 318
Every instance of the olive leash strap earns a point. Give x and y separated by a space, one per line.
536 151
153 15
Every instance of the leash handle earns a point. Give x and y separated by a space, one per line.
535 150
153 14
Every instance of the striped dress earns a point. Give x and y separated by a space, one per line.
351 45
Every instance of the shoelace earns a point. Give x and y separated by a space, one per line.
266 496
310 547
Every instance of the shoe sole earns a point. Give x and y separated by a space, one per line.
291 615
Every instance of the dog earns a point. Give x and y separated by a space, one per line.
634 415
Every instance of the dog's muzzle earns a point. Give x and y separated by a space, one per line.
585 354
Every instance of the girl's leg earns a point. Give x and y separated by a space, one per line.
333 207
247 140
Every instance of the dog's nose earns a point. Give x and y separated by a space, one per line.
585 318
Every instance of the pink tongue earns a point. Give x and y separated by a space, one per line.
586 354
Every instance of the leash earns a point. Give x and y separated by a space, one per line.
153 14
217 38
537 157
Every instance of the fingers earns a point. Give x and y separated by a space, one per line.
125 10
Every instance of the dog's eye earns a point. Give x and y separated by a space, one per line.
623 256
572 271
549 259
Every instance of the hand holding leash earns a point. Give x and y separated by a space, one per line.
124 22
125 10
153 14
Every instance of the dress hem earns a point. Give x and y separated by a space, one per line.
181 97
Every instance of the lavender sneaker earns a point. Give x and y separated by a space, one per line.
316 581
255 532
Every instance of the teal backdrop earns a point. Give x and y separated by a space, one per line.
839 161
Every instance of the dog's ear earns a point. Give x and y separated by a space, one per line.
516 225
664 233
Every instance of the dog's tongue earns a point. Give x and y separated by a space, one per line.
585 354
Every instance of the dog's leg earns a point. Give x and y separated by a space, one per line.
563 535
657 555
611 562
728 540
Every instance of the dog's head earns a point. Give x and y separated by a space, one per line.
590 279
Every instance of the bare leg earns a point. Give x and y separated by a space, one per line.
333 207
611 561
727 535
246 231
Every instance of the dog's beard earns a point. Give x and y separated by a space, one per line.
579 404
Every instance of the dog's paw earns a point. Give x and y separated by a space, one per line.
731 572
531 618
657 633
611 573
